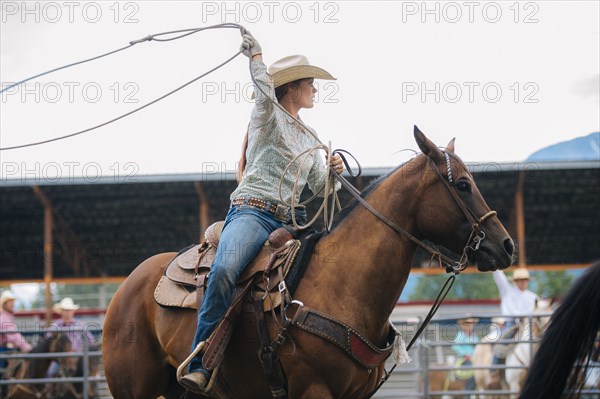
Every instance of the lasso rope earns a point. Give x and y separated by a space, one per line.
132 43
328 188
329 182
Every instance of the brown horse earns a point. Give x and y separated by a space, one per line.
444 381
356 273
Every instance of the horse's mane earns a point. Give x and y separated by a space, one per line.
42 346
373 185
561 363
364 194
44 343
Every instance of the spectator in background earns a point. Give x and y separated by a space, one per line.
10 338
464 347
71 327
515 300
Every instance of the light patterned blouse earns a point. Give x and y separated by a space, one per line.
274 140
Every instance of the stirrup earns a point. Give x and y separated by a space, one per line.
183 366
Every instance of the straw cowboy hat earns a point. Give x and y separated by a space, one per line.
294 67
66 304
520 274
5 297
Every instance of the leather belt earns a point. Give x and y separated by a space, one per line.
255 202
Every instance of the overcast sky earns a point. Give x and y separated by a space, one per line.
504 78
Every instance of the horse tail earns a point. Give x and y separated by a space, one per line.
567 346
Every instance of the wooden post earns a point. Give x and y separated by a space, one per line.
203 211
47 250
520 213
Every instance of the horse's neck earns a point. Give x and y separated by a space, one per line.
361 267
38 367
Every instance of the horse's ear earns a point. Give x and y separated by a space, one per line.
427 146
450 146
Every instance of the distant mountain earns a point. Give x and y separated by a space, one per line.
585 148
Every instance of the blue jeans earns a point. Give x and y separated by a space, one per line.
245 231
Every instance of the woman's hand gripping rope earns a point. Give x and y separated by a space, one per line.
336 167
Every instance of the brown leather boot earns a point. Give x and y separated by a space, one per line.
195 381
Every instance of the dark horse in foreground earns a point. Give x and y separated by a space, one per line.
570 344
356 273
37 368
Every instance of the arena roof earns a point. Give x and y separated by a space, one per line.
102 227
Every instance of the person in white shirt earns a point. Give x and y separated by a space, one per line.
516 300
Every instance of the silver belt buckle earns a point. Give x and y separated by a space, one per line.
281 212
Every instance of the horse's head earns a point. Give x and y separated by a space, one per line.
60 343
452 212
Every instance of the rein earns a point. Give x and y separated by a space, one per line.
473 242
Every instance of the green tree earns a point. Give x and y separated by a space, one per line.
552 284
466 286
482 286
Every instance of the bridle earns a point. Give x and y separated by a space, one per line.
455 267
475 237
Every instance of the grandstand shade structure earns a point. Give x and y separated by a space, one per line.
106 228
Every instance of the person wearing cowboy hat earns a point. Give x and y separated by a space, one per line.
9 336
70 326
516 300
274 138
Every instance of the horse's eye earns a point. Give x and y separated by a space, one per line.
463 186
